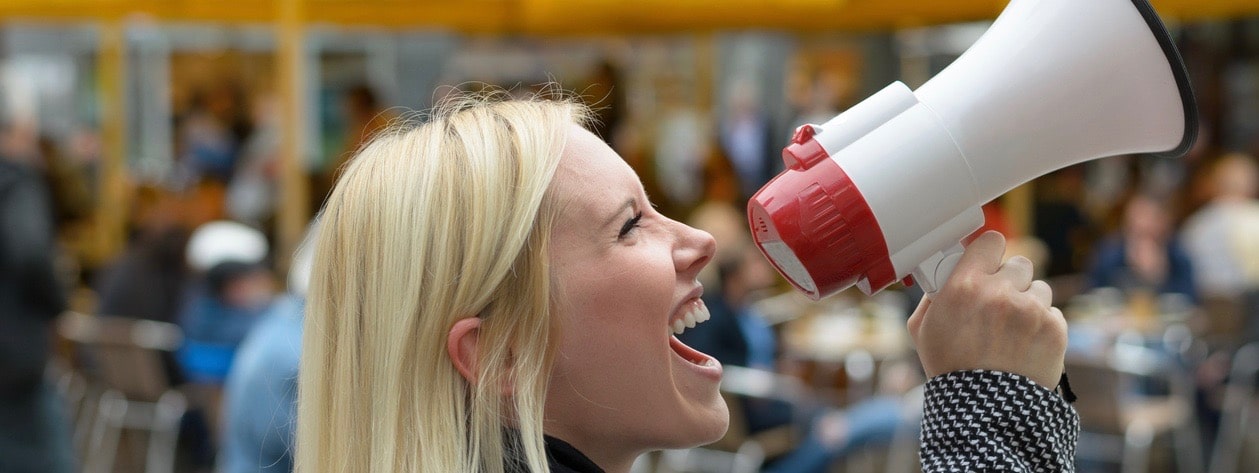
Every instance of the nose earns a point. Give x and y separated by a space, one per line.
693 249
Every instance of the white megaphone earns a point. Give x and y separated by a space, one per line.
885 191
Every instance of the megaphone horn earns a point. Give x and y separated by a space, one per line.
886 190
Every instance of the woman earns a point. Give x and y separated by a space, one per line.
492 291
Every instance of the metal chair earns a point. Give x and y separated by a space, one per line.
742 451
1240 413
77 395
124 358
1119 422
902 454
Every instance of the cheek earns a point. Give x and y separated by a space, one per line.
611 315
622 294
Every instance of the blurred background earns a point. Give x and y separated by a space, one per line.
160 161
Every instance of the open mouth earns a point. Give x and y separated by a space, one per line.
693 313
690 354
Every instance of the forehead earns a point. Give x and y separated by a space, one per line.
591 177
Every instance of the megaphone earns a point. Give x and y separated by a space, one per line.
886 191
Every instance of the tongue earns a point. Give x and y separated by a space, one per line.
687 353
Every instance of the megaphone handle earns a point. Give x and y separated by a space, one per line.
934 272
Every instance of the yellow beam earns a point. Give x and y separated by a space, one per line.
563 17
294 210
111 211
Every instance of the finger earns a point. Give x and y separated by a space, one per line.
1059 327
1018 271
1042 292
1057 313
1060 320
984 254
915 320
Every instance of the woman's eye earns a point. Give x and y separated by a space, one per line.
630 225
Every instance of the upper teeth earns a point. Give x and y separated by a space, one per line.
697 315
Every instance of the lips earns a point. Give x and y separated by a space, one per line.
692 313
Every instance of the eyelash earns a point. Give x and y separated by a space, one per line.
630 225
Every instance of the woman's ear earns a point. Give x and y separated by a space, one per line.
461 344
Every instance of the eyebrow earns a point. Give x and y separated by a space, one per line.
629 203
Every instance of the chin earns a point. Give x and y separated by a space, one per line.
720 424
710 427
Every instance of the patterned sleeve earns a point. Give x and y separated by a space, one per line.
976 421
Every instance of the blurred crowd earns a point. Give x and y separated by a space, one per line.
1122 237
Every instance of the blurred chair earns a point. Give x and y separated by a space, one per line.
741 451
77 394
124 358
1119 421
859 367
902 455
1238 417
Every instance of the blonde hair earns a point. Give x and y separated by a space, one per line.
428 225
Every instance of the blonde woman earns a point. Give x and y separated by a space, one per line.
492 291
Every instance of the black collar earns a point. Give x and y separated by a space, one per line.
564 458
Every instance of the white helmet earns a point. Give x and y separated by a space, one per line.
223 241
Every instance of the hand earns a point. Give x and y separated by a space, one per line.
991 316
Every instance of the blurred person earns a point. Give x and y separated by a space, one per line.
680 140
260 411
34 432
1143 255
252 195
19 144
744 134
738 335
493 291
1222 237
1222 240
147 281
66 185
232 290
211 133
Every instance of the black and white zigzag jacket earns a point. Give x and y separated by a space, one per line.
978 421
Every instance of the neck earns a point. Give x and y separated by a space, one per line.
619 467
611 460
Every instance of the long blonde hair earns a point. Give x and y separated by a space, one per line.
428 225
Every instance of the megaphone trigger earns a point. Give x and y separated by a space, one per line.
933 273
